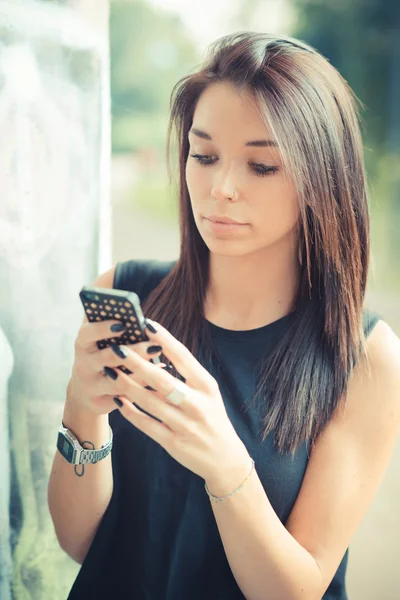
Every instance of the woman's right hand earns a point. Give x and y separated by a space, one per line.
89 388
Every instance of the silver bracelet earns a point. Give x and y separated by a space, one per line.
220 498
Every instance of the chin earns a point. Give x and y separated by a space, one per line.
224 245
226 248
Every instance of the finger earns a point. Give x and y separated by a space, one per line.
155 429
152 403
164 383
147 350
103 386
90 333
121 355
183 360
104 381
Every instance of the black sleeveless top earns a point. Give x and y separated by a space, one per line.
158 539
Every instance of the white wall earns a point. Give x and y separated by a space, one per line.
54 238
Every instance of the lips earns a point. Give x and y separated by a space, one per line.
225 220
224 226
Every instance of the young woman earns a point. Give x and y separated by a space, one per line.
248 474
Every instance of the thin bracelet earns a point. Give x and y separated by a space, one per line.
220 498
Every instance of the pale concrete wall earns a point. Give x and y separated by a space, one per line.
54 237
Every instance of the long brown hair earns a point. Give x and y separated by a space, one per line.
313 115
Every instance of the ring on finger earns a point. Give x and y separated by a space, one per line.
178 394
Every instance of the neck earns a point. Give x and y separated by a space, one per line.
251 291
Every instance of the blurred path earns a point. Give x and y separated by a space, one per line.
135 234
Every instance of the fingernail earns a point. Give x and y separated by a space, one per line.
118 327
125 370
150 326
154 349
121 352
117 401
110 372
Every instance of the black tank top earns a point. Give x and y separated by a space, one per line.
158 539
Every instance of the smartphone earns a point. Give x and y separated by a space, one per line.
103 304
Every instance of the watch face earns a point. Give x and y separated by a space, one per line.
65 447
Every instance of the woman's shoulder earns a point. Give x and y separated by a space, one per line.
382 352
370 319
376 380
141 276
383 348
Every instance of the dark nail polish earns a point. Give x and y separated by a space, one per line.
117 401
121 352
154 349
124 370
150 326
110 372
117 327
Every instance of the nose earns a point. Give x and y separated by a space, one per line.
224 189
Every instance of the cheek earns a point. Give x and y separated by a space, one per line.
279 211
195 180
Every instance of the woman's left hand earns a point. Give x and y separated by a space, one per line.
198 432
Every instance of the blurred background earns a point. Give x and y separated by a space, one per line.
84 103
361 38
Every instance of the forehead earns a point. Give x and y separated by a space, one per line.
232 120
222 108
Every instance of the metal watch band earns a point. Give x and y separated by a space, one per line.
93 456
83 456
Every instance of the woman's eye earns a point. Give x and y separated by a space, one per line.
203 159
262 170
258 169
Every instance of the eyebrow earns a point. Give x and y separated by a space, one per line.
254 143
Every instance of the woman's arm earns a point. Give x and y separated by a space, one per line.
345 470
77 504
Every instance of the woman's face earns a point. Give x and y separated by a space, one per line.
222 161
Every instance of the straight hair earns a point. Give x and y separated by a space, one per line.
314 116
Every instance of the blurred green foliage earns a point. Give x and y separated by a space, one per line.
154 195
361 39
150 50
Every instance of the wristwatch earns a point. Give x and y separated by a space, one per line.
72 451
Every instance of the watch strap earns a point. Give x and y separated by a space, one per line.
93 456
85 455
